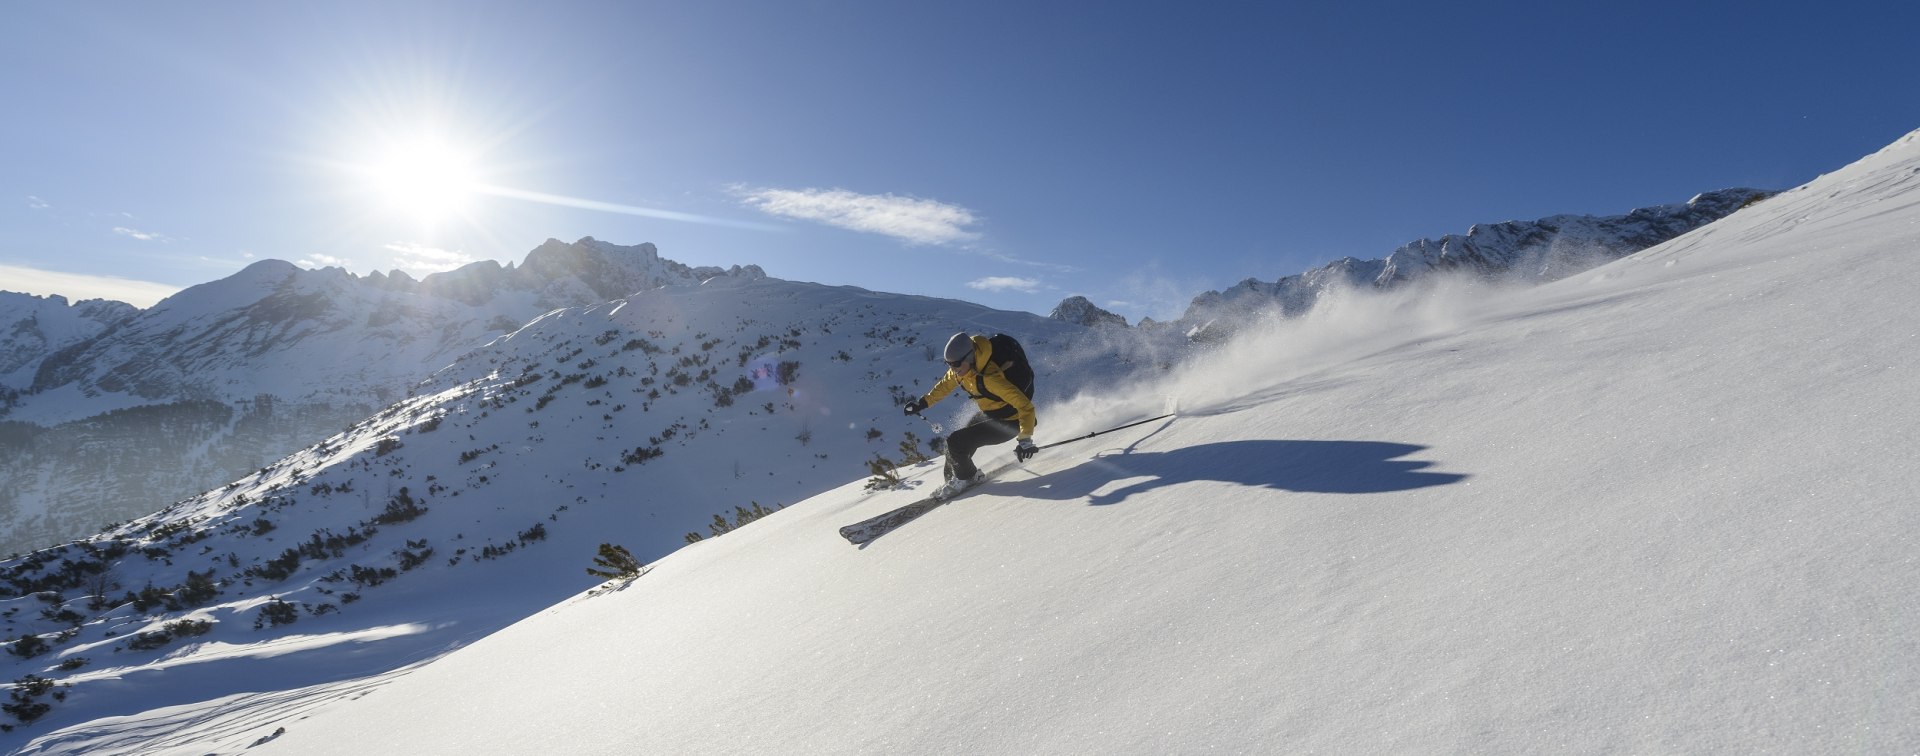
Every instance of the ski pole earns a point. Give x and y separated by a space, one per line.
937 430
939 441
1109 430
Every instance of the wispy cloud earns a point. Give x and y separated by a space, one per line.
611 207
909 219
37 203
141 235
1006 283
420 260
78 286
1013 260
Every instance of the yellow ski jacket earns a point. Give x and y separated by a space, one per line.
989 387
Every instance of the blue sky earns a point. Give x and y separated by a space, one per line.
1008 153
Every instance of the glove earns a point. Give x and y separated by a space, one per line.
1025 450
914 407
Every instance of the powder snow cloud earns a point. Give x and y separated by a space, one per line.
909 219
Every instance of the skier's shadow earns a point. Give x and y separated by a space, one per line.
1347 467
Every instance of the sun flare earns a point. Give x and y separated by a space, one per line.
425 180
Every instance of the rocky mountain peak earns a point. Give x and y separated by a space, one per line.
1079 310
32 327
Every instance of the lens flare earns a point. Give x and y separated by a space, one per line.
425 180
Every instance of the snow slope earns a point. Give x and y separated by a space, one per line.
1664 506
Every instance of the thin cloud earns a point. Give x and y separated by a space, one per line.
322 261
138 234
77 286
610 207
909 219
1006 283
37 203
1012 260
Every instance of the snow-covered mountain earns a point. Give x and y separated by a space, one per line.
1517 251
226 377
322 335
1646 508
33 328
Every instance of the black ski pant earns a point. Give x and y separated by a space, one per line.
983 431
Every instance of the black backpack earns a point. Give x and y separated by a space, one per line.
1012 359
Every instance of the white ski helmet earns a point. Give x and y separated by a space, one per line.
959 350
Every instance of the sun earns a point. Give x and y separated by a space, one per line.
425 180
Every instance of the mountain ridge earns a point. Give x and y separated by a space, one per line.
1528 252
258 365
38 326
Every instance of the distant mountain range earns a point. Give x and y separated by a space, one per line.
111 411
108 411
327 335
1527 252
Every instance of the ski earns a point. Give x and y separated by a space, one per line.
863 532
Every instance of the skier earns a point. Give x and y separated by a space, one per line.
1000 384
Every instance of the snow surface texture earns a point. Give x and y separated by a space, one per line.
1655 507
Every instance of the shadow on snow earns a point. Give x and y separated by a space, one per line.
1348 467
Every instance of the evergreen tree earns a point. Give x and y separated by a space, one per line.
886 474
615 563
910 453
276 613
